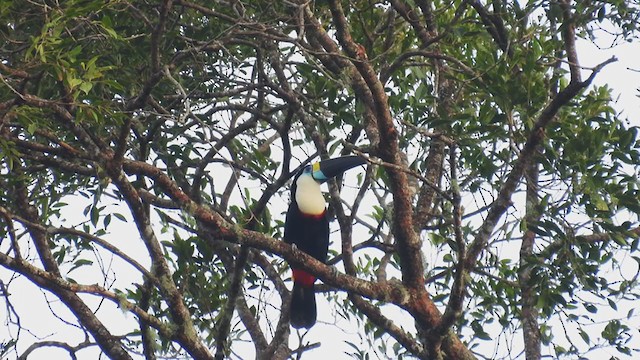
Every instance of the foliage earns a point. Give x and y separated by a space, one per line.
147 149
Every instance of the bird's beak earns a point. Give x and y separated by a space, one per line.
326 169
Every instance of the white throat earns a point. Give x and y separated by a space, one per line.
308 196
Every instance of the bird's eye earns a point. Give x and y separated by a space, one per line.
307 169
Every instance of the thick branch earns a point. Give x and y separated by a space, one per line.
55 284
110 344
493 24
186 335
536 136
456 298
408 243
530 326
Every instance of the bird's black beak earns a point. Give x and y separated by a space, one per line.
326 169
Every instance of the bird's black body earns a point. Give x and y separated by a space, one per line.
311 235
309 231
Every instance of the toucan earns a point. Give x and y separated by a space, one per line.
307 227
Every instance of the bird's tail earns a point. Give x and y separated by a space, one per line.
303 306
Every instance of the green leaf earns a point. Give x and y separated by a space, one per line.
585 336
79 263
119 217
86 87
591 308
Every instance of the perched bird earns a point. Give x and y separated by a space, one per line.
307 227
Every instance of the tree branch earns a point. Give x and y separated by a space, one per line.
529 298
536 136
110 344
69 348
186 334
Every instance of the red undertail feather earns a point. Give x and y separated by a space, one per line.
303 278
